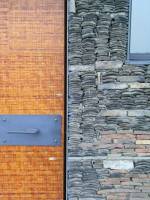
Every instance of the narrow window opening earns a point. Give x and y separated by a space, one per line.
139 32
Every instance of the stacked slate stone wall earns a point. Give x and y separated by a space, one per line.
108 106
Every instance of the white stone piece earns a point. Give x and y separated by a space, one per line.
113 113
108 64
83 68
118 164
72 6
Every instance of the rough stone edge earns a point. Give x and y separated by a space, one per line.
81 68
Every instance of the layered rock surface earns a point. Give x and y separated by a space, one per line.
108 107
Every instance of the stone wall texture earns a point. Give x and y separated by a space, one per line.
108 106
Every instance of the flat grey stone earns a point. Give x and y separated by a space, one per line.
130 79
137 113
113 113
108 64
80 68
113 86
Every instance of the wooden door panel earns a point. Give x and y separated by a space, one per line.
31 82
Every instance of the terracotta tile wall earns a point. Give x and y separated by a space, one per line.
31 82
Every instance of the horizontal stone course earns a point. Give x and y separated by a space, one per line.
121 143
130 113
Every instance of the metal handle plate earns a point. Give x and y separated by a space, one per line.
28 131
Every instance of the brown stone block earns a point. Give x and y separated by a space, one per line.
142 150
143 137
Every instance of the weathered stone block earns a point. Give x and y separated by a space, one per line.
108 64
125 132
144 142
139 85
129 79
113 86
118 190
72 7
142 132
118 164
80 68
114 113
138 113
124 141
139 196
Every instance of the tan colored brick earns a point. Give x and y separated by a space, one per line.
143 142
139 85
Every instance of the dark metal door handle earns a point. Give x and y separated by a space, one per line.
28 131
